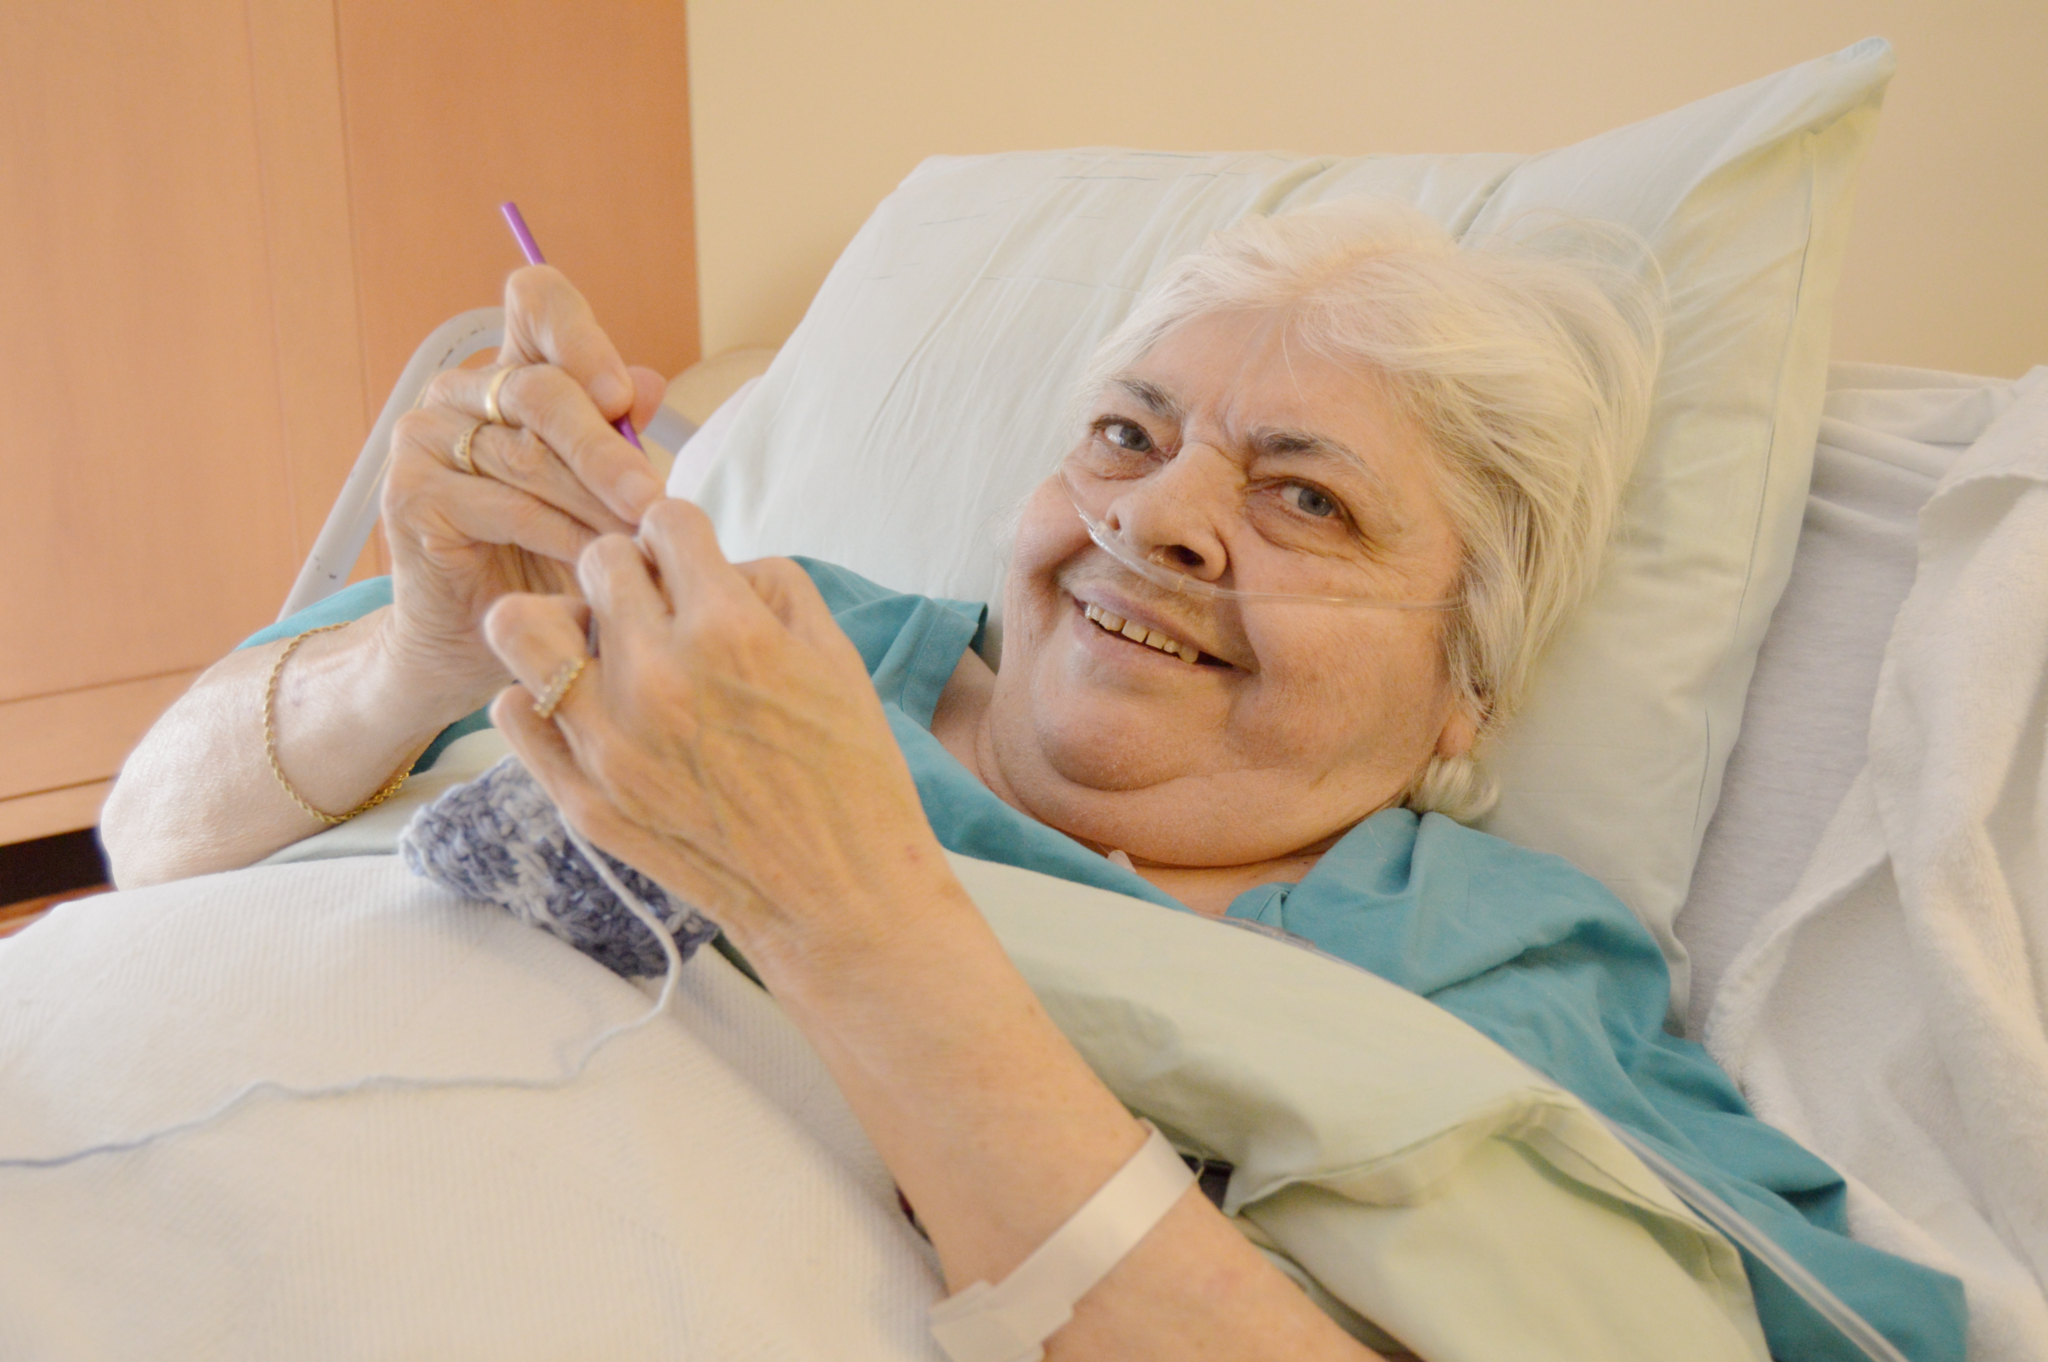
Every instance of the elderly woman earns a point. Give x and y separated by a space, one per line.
1337 482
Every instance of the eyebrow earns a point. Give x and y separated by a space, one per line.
1267 440
1152 397
1283 440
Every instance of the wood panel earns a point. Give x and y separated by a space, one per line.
302 159
52 811
580 113
145 522
51 741
224 225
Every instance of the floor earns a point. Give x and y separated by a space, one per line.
36 876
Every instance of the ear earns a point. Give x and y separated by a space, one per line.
1460 731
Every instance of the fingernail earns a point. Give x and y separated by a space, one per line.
610 393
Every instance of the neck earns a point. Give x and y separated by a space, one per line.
1210 890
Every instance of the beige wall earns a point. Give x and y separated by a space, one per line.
806 112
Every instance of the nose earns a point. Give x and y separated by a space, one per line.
1176 516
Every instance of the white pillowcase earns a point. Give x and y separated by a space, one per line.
926 390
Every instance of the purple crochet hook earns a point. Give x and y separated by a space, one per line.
624 425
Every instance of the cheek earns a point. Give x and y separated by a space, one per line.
1047 526
1048 535
1372 694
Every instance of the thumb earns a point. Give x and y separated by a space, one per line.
548 322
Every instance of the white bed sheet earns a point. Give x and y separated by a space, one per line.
1889 1006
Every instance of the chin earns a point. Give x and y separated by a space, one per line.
1110 747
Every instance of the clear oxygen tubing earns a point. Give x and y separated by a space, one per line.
399 1083
1738 1227
1160 575
1751 1236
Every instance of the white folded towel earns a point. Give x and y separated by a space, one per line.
1892 1013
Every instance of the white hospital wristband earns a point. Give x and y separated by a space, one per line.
1011 1321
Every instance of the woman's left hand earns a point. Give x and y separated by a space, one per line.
727 743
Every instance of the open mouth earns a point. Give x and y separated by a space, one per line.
1151 638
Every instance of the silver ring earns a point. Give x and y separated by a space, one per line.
463 460
492 411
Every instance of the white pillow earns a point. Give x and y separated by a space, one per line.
924 392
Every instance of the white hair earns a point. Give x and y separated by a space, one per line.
1526 363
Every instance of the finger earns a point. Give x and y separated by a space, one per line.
505 455
649 388
619 582
695 576
532 629
548 322
793 598
536 742
540 639
548 403
788 592
427 501
521 459
544 750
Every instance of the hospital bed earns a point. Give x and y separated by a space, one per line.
1774 535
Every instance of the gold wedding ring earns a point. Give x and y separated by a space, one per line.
463 460
558 688
492 411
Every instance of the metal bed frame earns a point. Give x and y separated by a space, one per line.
355 510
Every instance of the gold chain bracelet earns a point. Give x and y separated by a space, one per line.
391 786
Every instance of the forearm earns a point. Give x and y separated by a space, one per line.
997 1131
729 744
198 794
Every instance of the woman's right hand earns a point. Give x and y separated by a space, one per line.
548 481
222 778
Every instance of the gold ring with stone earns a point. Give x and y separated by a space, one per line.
463 460
492 411
558 687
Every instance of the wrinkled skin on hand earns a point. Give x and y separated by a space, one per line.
728 742
547 483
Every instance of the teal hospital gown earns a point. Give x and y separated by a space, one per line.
1520 945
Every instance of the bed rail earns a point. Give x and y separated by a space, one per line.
348 525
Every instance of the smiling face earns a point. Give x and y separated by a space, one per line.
1246 462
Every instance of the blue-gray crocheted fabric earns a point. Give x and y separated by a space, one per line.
500 838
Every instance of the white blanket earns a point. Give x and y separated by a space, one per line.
1890 1013
698 1191
327 1110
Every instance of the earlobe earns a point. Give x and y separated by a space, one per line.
1460 731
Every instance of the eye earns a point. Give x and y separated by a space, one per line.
1310 501
1125 435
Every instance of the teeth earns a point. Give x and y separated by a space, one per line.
1138 633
